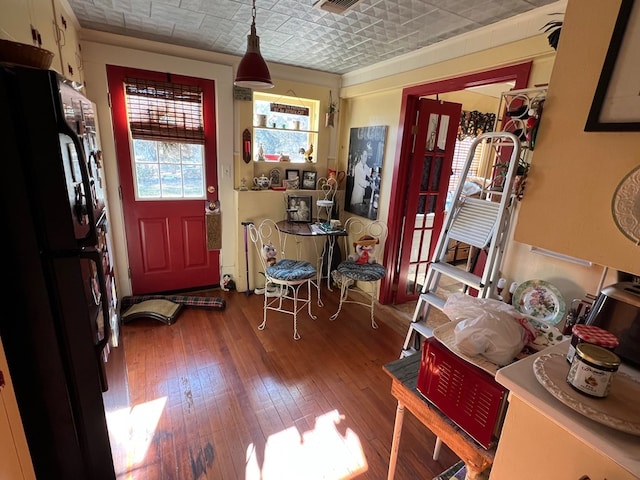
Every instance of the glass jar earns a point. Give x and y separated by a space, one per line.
592 370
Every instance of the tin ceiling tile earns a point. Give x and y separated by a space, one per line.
295 32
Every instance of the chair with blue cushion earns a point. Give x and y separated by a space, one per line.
284 278
365 276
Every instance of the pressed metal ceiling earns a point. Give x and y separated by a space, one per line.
298 33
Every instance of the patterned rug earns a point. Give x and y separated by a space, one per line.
214 303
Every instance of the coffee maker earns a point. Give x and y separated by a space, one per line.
617 310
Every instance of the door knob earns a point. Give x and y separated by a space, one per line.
211 189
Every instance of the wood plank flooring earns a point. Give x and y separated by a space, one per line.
212 397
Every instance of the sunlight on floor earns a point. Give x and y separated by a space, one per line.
330 452
133 429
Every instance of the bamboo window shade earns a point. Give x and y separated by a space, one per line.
165 112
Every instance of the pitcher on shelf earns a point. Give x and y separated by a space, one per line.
335 176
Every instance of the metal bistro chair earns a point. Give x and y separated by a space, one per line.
348 272
283 277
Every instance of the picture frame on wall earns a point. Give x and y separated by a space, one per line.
364 170
299 208
616 103
309 178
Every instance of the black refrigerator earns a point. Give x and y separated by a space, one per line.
60 323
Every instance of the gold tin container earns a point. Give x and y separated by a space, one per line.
592 370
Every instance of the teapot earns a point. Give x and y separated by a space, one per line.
262 182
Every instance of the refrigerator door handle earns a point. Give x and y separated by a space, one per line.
92 236
96 256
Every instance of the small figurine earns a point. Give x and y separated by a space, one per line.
243 184
269 254
228 284
307 153
364 250
261 153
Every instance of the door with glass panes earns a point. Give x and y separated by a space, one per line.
165 133
424 206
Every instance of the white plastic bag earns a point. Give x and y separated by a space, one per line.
487 327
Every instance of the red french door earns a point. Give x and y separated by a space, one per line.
167 184
428 182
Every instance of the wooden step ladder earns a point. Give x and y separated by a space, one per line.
482 221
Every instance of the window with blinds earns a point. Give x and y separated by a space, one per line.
167 131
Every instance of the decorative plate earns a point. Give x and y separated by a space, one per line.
617 410
546 335
626 206
541 300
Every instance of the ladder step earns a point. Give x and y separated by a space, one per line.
432 299
458 274
422 328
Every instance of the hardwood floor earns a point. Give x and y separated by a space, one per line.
212 397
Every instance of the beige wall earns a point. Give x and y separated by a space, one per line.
378 103
575 174
232 118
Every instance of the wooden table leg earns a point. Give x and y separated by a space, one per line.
397 430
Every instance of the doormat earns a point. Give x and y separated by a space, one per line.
214 303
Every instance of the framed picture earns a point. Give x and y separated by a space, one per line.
299 208
309 179
291 174
274 175
616 103
364 170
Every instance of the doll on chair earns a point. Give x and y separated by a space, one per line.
365 248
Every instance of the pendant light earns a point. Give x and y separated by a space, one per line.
252 70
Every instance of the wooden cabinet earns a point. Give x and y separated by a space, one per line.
15 460
68 42
49 25
532 447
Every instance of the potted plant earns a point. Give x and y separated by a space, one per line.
332 108
553 29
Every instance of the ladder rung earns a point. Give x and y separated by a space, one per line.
432 299
422 328
458 274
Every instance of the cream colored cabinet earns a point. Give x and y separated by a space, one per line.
68 40
46 24
31 22
15 21
15 461
533 447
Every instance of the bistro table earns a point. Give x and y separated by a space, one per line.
314 231
404 377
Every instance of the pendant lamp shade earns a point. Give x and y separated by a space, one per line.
253 71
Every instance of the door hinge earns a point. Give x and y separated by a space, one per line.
2 382
414 129
109 99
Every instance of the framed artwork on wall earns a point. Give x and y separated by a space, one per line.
616 102
364 170
309 179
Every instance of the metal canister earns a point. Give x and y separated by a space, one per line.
592 370
593 335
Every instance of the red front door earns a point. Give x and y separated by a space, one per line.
165 190
424 206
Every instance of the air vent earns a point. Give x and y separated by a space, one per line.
336 6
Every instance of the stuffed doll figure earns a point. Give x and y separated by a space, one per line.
269 254
364 248
228 284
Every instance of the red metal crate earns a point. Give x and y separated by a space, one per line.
468 395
